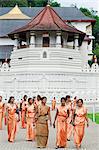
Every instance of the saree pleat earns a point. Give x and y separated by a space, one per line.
42 131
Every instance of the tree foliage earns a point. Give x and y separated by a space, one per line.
96 51
25 3
12 3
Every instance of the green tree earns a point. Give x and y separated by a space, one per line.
25 3
86 12
96 51
42 3
12 3
55 4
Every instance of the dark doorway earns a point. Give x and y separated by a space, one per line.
46 41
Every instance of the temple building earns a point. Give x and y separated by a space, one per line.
49 54
13 18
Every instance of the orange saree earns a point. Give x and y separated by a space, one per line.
69 119
23 114
79 125
61 125
30 130
11 122
1 114
53 104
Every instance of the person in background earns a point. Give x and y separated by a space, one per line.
34 100
74 104
13 117
38 100
80 118
61 117
69 119
53 103
1 112
30 120
42 117
23 114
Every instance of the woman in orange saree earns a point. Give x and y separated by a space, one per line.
23 113
12 119
74 103
69 119
38 100
30 120
53 103
1 112
42 131
61 117
80 117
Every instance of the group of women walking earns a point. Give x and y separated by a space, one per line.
70 119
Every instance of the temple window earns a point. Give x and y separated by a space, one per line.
44 54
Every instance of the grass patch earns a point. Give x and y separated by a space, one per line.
96 117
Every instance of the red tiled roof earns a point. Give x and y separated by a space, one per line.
48 20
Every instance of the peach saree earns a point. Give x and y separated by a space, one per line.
1 113
11 122
61 125
79 125
30 130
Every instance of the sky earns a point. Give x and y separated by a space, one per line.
90 4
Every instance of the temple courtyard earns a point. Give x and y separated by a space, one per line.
90 142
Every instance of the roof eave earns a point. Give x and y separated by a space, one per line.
93 21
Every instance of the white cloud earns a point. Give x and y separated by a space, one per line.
81 3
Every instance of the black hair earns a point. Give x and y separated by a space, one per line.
10 99
80 100
34 98
25 96
63 98
29 99
44 97
75 97
67 96
39 97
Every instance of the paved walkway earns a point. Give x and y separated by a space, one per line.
90 142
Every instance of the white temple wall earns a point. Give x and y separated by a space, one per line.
57 58
84 85
82 26
84 52
90 47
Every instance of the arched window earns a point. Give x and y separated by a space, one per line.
44 54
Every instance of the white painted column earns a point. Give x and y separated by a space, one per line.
76 37
84 52
32 39
65 38
58 40
16 43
